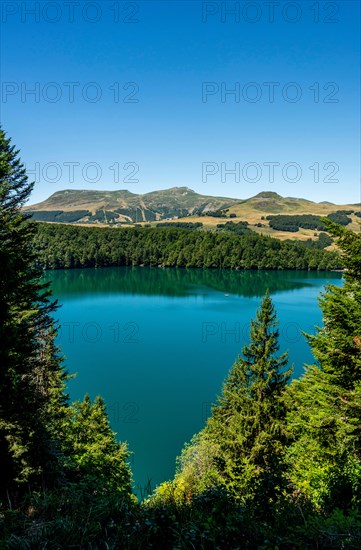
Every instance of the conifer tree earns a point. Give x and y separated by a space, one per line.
326 402
31 376
242 447
337 345
93 453
249 420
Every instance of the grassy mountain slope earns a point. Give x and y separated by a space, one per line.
104 207
126 206
255 210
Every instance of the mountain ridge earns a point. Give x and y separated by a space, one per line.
87 206
128 207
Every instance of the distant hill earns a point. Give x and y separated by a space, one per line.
124 207
272 203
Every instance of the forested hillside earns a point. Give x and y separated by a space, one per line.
59 246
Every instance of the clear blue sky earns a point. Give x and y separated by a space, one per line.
168 50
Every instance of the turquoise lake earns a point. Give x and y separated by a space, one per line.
158 343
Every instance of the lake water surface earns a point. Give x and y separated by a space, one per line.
158 343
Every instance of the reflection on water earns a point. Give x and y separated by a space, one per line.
181 282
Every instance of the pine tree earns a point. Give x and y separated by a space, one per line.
249 420
337 345
31 376
326 402
242 447
93 453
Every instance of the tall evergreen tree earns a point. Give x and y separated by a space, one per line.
242 447
31 376
249 420
337 345
325 419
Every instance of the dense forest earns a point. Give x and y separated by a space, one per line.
183 225
284 222
59 216
277 464
239 228
235 247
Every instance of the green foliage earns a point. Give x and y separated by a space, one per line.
257 476
340 217
242 448
102 216
182 225
324 466
240 228
249 420
78 515
350 244
323 241
337 346
214 213
293 223
312 430
32 379
44 216
338 530
326 402
59 246
276 466
43 441
58 216
91 448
